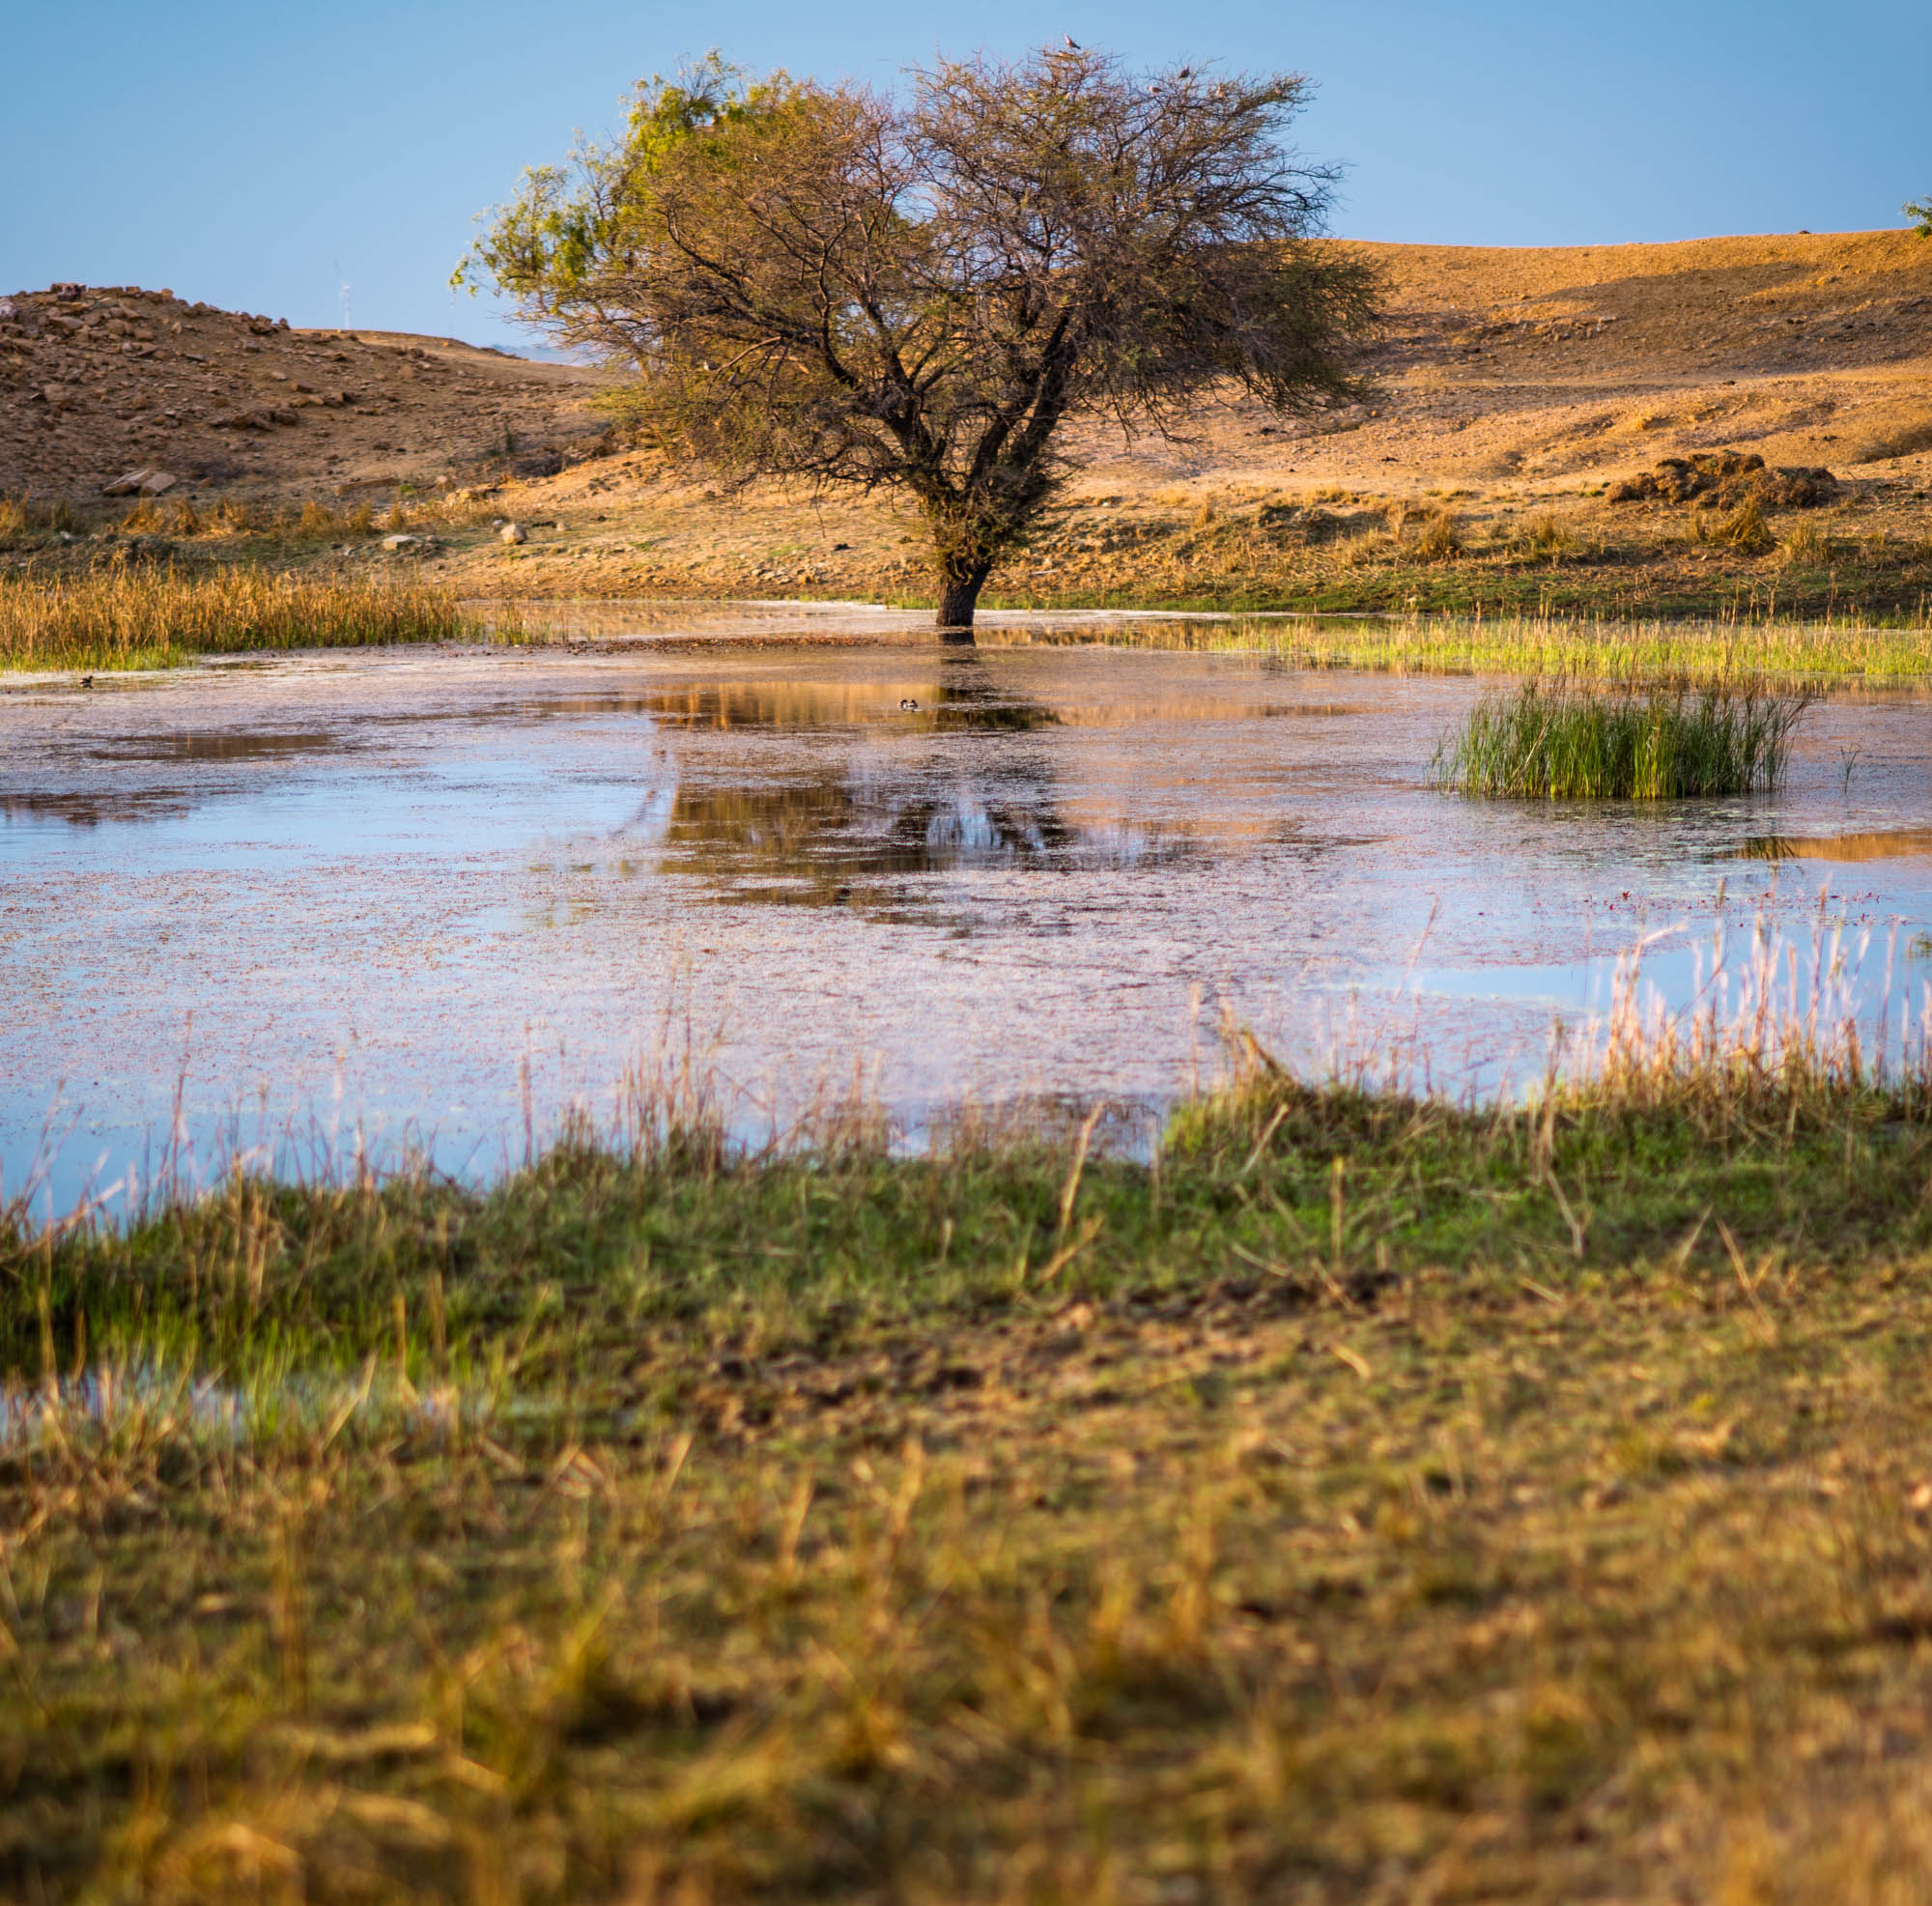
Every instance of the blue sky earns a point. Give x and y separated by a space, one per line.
259 154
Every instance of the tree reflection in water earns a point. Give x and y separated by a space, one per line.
858 827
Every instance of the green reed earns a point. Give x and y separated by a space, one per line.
1561 742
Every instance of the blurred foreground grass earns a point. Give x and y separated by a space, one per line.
1371 1500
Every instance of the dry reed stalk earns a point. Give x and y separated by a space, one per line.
160 619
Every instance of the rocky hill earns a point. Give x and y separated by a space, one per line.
96 385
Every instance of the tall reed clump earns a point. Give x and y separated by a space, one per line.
1559 742
161 618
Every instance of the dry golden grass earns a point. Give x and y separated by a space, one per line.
159 618
22 515
1376 1500
1440 538
1805 546
1548 536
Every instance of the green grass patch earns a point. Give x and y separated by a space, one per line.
1785 654
1563 742
1371 1494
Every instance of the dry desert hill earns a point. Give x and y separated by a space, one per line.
1512 391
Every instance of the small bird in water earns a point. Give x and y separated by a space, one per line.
87 681
906 701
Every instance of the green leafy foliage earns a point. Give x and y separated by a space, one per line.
820 284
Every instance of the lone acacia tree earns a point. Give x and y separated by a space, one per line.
823 284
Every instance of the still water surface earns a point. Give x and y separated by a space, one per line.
355 898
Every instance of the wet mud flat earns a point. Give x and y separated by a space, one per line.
428 899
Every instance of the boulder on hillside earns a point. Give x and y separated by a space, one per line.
141 483
1725 479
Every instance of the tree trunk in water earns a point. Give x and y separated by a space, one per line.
958 597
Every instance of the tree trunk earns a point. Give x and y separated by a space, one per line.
958 597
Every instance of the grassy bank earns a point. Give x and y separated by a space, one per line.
1248 549
1374 1500
159 618
1782 652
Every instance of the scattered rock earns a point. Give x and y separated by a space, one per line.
66 292
1727 479
141 483
403 541
513 532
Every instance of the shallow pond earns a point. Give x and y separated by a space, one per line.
431 897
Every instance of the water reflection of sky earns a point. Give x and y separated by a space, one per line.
356 897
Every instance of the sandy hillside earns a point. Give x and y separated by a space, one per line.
1538 366
1506 382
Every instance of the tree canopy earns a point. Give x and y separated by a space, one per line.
825 284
